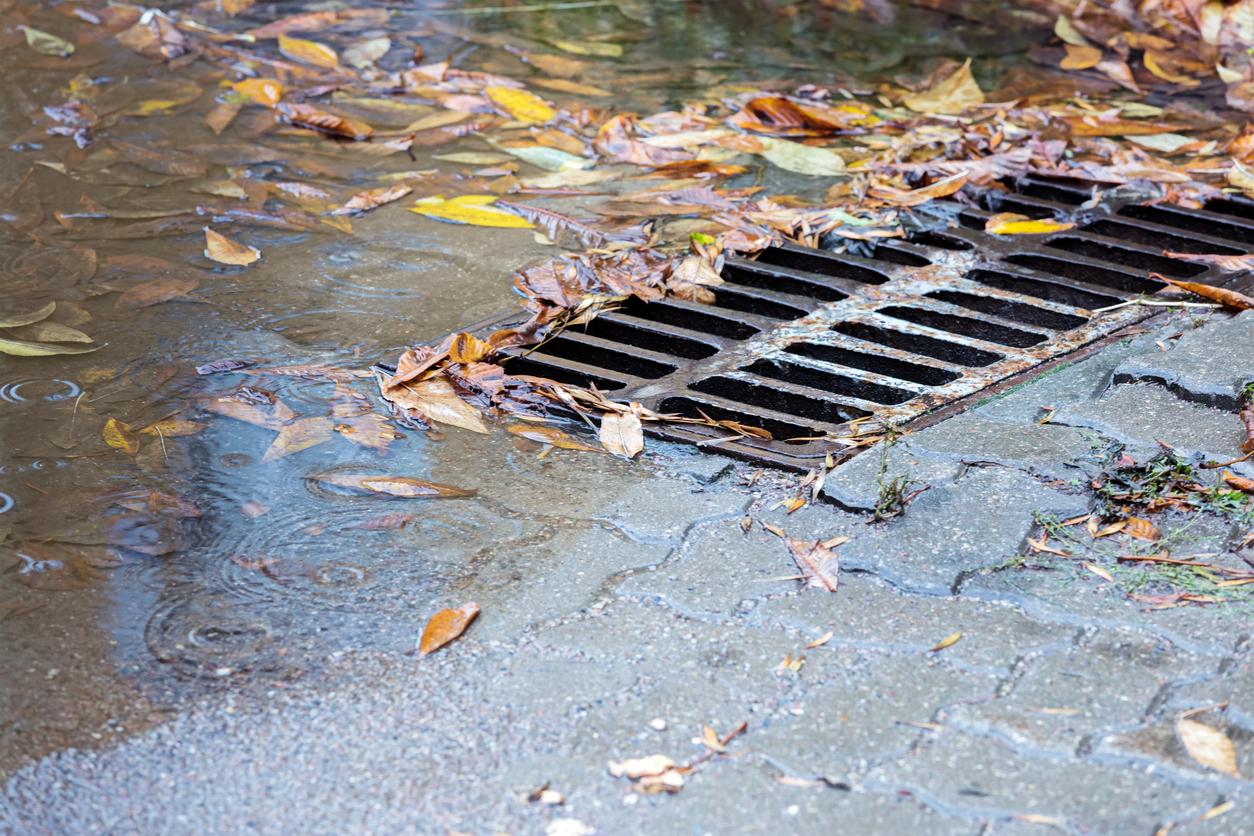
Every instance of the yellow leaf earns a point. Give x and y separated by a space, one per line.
473 209
602 50
26 319
1008 223
520 104
171 427
22 348
563 85
948 641
1154 61
309 52
223 250
1209 747
1081 57
1066 32
118 435
1241 177
951 96
262 91
1100 572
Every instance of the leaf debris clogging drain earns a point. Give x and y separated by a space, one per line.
803 341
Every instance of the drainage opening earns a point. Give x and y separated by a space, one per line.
1060 293
605 358
1129 258
777 400
1016 311
817 261
877 363
781 430
682 316
1087 273
836 384
963 355
964 326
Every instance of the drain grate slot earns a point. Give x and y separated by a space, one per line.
745 275
1058 191
875 363
606 358
617 330
532 365
1014 311
1192 222
817 261
778 400
1127 257
746 303
1049 291
942 241
1235 207
1157 238
963 355
997 202
1087 273
685 317
895 255
964 326
836 384
781 430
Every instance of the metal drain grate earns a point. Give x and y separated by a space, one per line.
802 341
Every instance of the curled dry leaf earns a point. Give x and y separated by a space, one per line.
1241 483
621 434
308 116
818 564
445 626
372 199
1209 747
1009 223
223 250
118 435
404 487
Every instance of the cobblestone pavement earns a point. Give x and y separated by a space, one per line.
653 613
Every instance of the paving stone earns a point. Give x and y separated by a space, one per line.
856 484
978 521
1209 365
984 777
1109 681
1058 452
1232 683
1158 746
1141 415
720 569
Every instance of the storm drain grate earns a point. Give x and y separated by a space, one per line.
802 341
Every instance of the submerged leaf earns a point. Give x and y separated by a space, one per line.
47 43
520 104
18 320
223 250
309 52
404 487
445 626
801 159
51 332
262 91
21 348
119 436
299 435
156 291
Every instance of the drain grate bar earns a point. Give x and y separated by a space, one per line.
802 341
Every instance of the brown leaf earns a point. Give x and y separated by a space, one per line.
372 199
819 564
780 116
299 435
173 427
1081 57
405 487
1209 747
445 626
369 430
1223 296
436 400
1247 420
156 291
272 415
119 436
950 96
621 434
1241 483
1140 528
550 435
635 768
223 250
616 142
308 116
160 160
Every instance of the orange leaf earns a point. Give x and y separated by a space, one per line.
1141 529
1239 482
262 91
1230 298
1081 57
445 626
309 52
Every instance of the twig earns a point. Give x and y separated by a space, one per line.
1151 304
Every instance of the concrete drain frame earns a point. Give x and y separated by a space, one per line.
803 341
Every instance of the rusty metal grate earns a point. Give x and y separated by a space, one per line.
802 341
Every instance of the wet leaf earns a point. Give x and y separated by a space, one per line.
476 210
563 85
1209 747
160 160
621 434
223 250
599 49
445 626
119 436
547 158
50 332
818 564
951 96
173 427
1066 31
363 55
156 291
18 320
520 104
1081 57
550 435
308 116
801 159
300 434
21 348
1008 223
949 641
1229 298
1140 528
372 199
1241 483
403 487
309 52
262 91
221 117
47 43
272 415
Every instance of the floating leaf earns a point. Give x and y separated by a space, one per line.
1008 223
564 85
308 116
372 199
404 487
50 332
476 210
223 250
520 104
18 320
47 43
547 158
262 91
948 641
21 348
550 435
173 427
949 97
801 159
299 435
445 626
309 52
1209 747
621 434
119 436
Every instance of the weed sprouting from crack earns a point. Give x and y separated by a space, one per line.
893 495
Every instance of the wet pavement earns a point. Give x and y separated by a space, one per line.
194 638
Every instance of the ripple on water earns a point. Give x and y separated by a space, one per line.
206 636
32 389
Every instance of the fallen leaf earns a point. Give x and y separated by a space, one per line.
436 400
950 96
602 50
819 565
156 291
550 435
634 768
372 199
299 435
948 641
21 348
1247 420
520 104
801 159
223 250
563 85
1008 223
173 428
1100 572
445 626
1228 298
18 320
253 509
309 52
820 641
403 487
363 55
621 434
1067 33
119 436
1209 747
476 210
1241 483
1141 529
50 332
47 43
1081 57
1227 263
262 91
308 116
